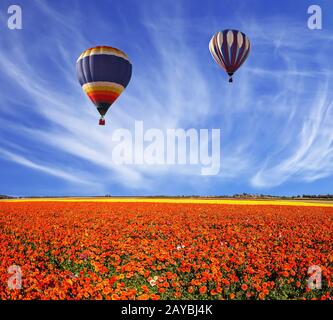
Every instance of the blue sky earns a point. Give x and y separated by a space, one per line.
276 119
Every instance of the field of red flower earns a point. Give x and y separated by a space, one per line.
76 250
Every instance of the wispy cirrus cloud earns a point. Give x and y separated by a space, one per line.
275 119
303 150
67 127
310 150
53 171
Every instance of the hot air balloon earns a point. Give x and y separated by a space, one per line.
229 48
103 72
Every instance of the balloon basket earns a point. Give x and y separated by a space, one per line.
101 122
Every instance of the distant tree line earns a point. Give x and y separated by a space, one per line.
5 197
267 196
318 196
237 196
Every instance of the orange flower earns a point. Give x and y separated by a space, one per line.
262 295
145 289
190 289
213 292
203 290
244 286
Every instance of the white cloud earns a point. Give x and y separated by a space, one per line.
311 155
275 119
59 173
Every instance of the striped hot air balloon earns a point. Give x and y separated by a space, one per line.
229 48
103 72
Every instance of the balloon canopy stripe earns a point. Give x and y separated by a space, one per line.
102 92
102 86
103 97
105 68
103 50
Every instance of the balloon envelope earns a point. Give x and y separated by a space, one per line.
229 48
103 72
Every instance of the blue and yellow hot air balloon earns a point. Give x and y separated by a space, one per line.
103 72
